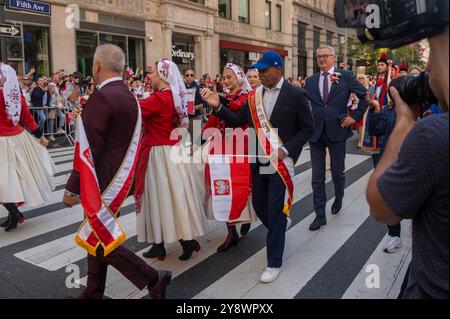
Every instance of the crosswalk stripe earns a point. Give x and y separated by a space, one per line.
117 284
46 223
391 267
301 260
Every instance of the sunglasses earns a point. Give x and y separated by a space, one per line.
189 75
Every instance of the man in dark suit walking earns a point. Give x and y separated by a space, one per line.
329 92
109 118
286 108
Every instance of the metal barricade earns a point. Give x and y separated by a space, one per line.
55 121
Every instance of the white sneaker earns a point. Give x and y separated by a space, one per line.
52 138
270 275
61 131
393 244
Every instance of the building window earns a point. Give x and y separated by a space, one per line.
329 38
136 53
268 15
225 9
86 43
278 19
244 11
198 1
302 54
316 46
37 49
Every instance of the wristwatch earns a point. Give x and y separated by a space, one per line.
70 194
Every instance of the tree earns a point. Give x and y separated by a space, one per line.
367 55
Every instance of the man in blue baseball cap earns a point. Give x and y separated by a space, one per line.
277 109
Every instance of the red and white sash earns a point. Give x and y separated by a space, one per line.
269 140
101 226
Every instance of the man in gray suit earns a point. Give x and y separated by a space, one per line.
329 92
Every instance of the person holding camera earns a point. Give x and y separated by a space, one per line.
411 180
73 91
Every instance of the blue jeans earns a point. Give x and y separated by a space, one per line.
42 116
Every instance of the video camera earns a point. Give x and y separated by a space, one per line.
392 23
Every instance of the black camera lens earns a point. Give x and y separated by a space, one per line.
415 90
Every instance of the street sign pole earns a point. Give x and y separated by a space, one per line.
2 20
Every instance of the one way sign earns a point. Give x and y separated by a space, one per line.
9 30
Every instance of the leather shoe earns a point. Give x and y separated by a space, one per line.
336 208
318 223
158 291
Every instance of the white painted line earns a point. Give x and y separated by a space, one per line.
390 266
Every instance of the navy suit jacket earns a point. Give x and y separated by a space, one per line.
291 116
335 111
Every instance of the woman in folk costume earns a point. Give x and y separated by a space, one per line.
169 205
26 169
238 88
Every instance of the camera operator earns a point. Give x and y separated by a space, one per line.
73 90
411 180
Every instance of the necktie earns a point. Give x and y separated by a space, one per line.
325 88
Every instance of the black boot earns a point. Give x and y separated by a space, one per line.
245 228
14 217
232 239
189 246
157 251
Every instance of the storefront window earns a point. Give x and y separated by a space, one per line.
183 53
136 53
36 41
86 44
118 40
14 56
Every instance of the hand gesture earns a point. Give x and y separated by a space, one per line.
43 141
210 97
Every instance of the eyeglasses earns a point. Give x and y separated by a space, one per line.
324 57
189 75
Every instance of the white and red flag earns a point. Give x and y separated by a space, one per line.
101 226
230 185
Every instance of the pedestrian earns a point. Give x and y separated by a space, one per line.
169 205
26 169
279 105
239 87
329 91
111 121
412 180
253 78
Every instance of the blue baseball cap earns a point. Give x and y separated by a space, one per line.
268 60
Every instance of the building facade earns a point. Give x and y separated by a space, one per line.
313 25
200 34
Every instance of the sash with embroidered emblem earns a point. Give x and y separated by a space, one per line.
101 225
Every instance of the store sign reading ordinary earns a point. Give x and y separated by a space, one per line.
183 54
31 6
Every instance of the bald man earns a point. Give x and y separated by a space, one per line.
109 118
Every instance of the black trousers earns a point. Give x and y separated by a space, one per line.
268 200
318 154
128 263
393 230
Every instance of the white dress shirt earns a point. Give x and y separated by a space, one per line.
271 97
330 73
116 78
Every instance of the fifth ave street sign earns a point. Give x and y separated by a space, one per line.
9 30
